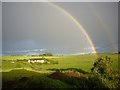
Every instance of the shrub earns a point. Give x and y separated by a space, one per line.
102 66
110 78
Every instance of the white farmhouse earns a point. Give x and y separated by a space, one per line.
36 60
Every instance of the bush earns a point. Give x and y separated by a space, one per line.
110 78
102 66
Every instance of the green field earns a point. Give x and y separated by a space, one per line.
84 62
13 69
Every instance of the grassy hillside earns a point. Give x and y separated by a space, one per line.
63 71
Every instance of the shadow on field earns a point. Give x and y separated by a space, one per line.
78 80
22 79
69 69
68 78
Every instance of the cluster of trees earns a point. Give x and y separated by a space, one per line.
46 54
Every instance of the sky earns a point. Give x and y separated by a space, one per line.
0 28
29 28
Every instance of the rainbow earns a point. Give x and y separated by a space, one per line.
105 28
78 24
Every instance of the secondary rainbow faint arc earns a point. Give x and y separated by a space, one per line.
78 24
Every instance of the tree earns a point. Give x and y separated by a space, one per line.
48 54
102 65
102 69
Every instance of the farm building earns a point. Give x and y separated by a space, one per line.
36 60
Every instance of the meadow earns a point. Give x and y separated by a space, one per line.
61 70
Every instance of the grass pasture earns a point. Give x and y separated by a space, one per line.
84 62
14 71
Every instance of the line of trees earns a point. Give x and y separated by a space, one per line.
46 54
